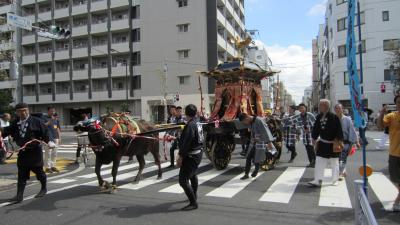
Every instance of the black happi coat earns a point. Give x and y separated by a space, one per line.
32 155
329 129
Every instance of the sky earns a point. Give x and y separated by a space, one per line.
286 29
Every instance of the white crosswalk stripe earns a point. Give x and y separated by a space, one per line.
283 188
383 189
203 177
232 187
334 196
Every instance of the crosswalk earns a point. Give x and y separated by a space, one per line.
226 184
378 140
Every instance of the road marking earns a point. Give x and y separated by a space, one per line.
283 188
203 177
62 181
153 180
334 196
383 189
232 187
125 176
106 172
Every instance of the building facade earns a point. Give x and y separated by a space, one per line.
380 28
140 53
8 81
259 55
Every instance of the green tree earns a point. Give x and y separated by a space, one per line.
6 99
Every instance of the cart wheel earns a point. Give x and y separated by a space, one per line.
222 151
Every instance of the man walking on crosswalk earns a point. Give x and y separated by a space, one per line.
392 121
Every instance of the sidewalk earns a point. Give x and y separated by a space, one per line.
8 175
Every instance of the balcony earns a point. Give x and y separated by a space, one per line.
99 73
119 70
45 78
29 79
119 3
45 16
120 24
80 74
62 98
99 50
79 9
44 57
79 52
27 2
99 28
7 8
45 98
121 46
28 59
5 28
79 31
81 96
100 95
5 46
61 54
28 39
4 65
29 99
62 76
8 84
221 41
61 13
99 5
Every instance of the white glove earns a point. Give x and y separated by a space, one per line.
51 144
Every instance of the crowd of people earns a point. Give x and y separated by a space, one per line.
328 137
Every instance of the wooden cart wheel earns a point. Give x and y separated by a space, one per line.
222 151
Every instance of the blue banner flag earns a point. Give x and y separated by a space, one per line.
354 81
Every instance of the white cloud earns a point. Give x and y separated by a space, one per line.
318 9
295 64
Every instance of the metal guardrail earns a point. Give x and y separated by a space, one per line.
363 214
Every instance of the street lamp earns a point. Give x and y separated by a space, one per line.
126 78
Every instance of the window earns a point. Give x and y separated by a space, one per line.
62 88
183 27
363 47
341 24
338 2
81 86
136 59
136 12
45 89
331 32
346 77
330 9
182 3
183 80
183 54
332 56
99 85
385 16
136 35
118 84
388 76
391 45
29 90
342 51
362 18
137 82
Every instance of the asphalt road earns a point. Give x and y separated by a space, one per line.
280 196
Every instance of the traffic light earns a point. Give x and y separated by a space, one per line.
383 88
60 32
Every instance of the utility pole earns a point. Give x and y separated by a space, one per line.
18 55
165 90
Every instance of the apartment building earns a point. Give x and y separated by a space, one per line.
152 48
7 50
380 28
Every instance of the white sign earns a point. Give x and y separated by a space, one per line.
18 21
47 35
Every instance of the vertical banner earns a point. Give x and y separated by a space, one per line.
354 81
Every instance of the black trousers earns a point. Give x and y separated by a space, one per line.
188 173
78 151
310 153
174 146
292 149
249 158
24 175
